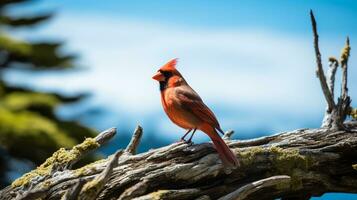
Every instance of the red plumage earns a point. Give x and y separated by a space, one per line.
186 109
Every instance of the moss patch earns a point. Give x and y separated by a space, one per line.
284 162
62 157
249 156
88 168
289 159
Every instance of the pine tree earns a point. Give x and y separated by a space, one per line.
29 126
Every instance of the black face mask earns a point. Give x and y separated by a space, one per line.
167 75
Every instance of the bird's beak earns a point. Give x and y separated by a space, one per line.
159 76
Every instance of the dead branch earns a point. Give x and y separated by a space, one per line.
344 61
135 140
227 135
320 71
332 73
317 160
243 192
335 114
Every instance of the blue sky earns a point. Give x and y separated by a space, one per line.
251 61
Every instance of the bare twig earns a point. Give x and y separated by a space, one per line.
344 61
246 190
105 136
331 75
320 72
227 135
135 140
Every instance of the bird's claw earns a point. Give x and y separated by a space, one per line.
189 142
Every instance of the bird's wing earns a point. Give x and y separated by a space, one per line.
191 102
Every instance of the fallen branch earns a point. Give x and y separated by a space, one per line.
317 160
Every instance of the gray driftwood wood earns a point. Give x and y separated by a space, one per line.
313 162
290 165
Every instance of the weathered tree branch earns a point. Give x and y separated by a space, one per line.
243 192
135 140
335 114
332 73
344 61
320 71
317 160
91 189
73 193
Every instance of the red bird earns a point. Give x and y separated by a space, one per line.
186 109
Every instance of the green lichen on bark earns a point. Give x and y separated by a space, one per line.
248 156
62 158
284 162
89 168
345 54
290 162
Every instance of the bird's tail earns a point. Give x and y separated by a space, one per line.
227 156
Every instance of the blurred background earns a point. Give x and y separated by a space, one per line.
69 69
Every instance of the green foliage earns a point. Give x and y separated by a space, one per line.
29 126
23 21
30 135
28 121
37 102
36 55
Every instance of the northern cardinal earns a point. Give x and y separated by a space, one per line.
186 109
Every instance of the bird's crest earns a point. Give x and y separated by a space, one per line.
170 66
